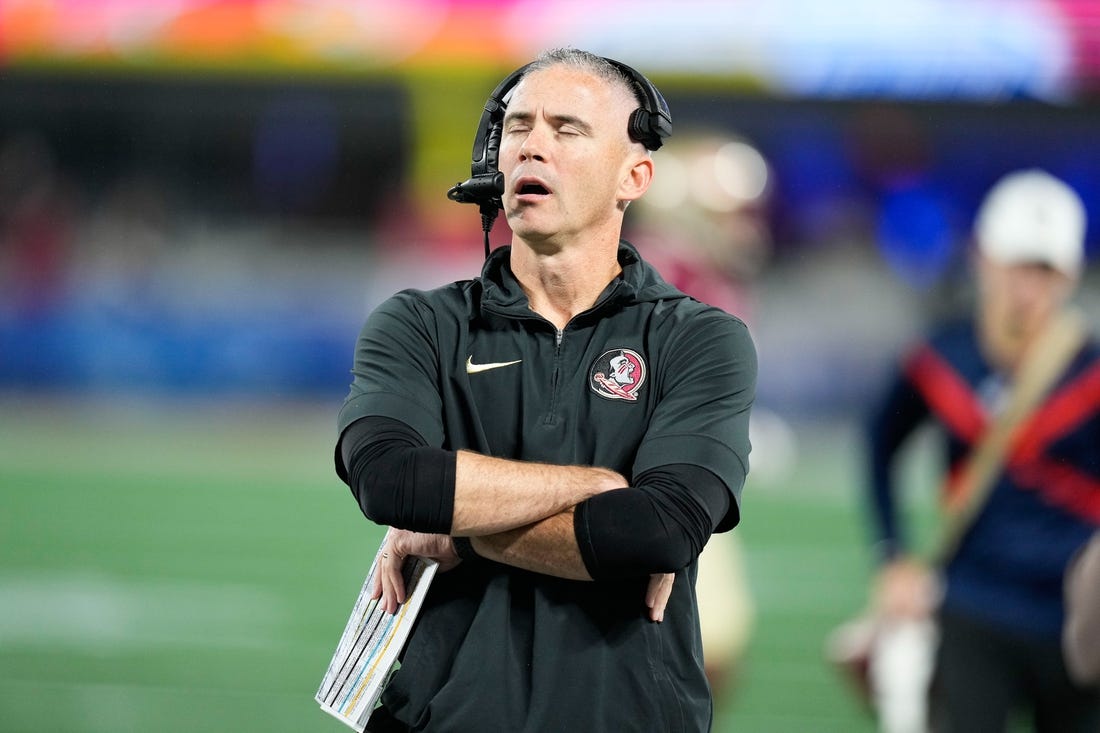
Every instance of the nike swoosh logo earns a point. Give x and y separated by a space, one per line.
472 368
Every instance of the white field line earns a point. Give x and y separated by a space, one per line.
106 615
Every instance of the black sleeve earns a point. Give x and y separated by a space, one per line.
398 480
658 525
895 417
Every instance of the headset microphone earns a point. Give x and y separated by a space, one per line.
485 190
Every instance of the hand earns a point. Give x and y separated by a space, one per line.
400 544
657 594
906 589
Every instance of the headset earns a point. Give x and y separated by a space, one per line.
649 124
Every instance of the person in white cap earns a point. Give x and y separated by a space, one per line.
1029 471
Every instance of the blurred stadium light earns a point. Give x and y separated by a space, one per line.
972 49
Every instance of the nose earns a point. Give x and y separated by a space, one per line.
532 146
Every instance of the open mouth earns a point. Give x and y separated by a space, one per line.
531 187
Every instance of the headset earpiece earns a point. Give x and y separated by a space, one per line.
651 123
492 147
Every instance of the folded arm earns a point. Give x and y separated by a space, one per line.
660 524
580 522
401 482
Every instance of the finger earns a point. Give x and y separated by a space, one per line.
651 595
386 582
389 565
393 584
389 595
656 589
379 572
398 582
657 595
651 591
377 588
396 562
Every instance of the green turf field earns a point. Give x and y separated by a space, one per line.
180 571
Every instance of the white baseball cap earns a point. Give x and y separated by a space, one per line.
1031 216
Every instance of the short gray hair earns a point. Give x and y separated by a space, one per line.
589 62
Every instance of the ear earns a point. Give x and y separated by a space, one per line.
637 178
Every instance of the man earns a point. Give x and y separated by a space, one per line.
1000 609
477 429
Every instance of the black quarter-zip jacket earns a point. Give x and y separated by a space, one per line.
647 377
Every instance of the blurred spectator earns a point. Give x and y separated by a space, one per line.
996 595
35 226
125 241
703 223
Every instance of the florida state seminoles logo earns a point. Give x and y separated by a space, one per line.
617 375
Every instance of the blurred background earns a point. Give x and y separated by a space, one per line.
201 200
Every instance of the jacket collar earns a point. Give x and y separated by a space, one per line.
639 282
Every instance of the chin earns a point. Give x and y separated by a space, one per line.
526 230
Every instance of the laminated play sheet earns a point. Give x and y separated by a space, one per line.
370 645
